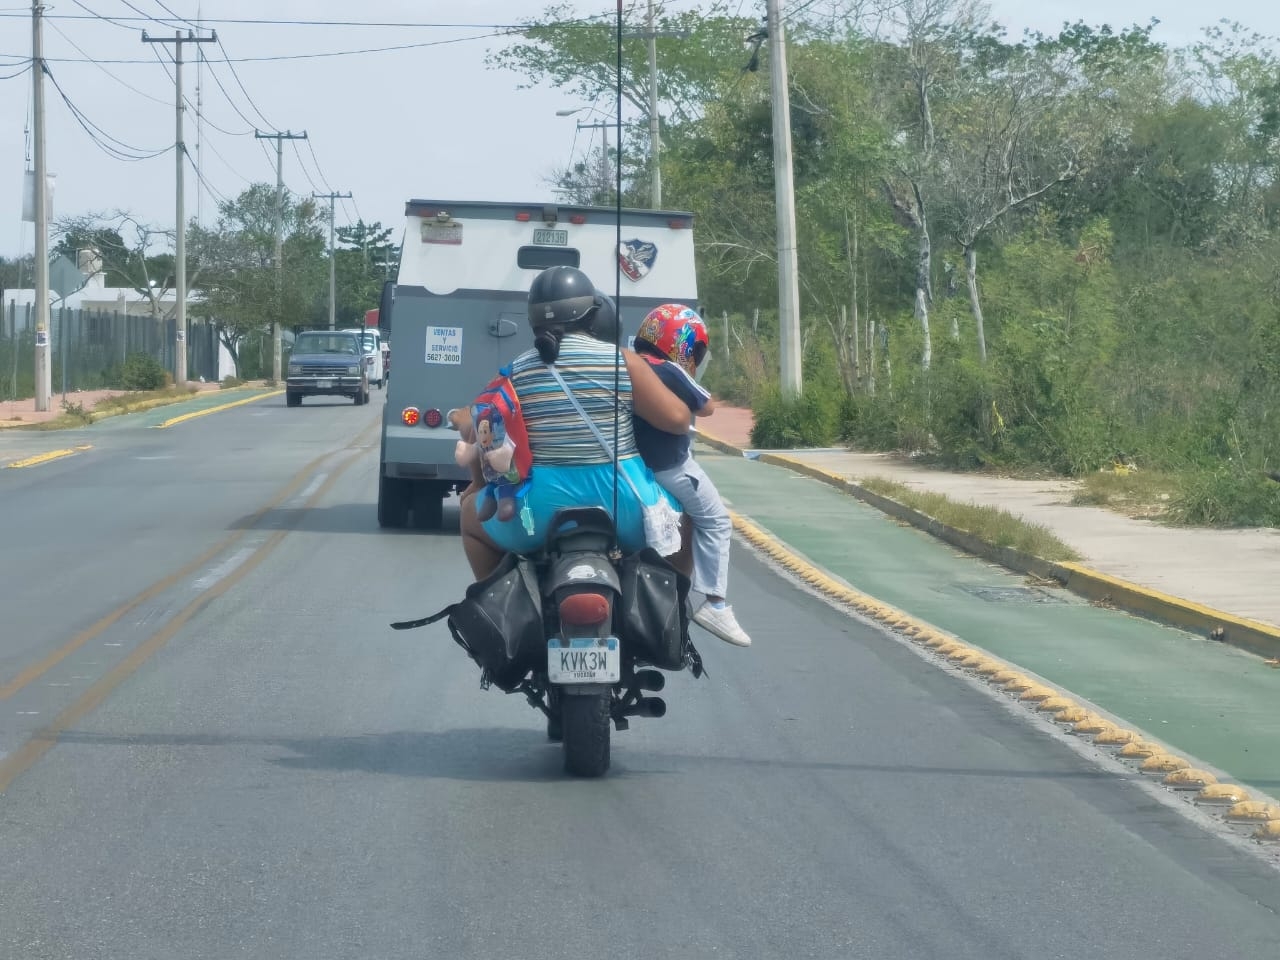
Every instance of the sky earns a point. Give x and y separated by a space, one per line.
431 121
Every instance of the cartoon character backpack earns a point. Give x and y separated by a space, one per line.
498 439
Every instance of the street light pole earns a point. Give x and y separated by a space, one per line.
784 191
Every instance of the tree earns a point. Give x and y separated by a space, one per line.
365 259
235 256
127 247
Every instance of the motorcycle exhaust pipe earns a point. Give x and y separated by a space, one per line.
650 680
647 707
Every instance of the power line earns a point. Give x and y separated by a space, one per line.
124 151
303 167
236 76
217 194
92 15
297 56
23 71
166 9
123 21
123 83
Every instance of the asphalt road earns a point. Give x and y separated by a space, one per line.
249 763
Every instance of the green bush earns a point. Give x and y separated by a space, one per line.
811 420
141 372
1226 497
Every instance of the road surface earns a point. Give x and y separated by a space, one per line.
247 762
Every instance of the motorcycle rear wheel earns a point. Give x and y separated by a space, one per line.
585 722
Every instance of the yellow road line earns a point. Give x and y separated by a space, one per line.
183 418
12 766
40 458
41 667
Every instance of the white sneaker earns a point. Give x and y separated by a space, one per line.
721 622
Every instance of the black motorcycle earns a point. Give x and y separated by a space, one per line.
581 630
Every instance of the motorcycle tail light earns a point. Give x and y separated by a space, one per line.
410 416
433 418
584 610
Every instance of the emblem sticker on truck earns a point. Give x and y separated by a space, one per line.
444 345
636 258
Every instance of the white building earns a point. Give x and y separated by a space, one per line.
96 296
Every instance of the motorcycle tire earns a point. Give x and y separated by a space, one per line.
585 722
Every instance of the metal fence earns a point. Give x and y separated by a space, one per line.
89 347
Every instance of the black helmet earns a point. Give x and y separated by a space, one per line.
560 296
604 323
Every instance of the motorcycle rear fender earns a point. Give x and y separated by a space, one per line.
581 570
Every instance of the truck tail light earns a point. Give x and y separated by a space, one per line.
433 417
410 416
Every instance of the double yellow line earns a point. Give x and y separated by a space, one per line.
46 738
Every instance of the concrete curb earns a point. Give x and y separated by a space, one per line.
1259 638
206 411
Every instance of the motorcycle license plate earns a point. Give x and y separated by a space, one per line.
585 660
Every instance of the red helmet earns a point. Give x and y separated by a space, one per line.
677 333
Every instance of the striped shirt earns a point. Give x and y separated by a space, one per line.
557 434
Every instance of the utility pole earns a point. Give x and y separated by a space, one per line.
784 191
180 247
333 287
655 143
43 381
279 138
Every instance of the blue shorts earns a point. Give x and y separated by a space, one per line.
554 488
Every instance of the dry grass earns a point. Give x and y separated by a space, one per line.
1143 494
990 524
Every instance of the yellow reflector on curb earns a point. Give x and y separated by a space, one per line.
1055 705
1071 715
1268 831
1163 763
1036 695
1222 793
1092 725
1139 750
1253 810
1115 737
1189 779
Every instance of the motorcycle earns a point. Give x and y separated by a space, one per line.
581 630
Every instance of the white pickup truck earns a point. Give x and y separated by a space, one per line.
371 342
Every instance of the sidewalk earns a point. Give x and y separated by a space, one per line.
1234 571
1209 700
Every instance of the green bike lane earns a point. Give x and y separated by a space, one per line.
1208 700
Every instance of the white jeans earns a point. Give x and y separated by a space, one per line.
712 528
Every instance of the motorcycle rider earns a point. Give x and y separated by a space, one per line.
570 469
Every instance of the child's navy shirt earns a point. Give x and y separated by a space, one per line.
662 450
